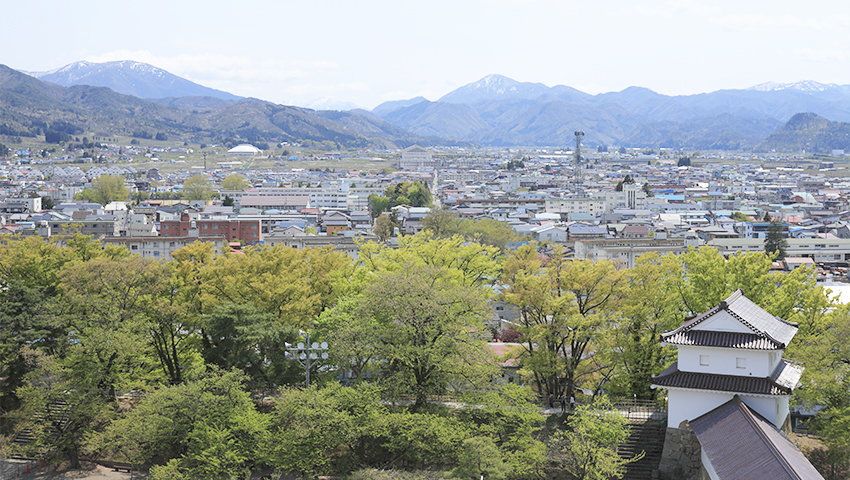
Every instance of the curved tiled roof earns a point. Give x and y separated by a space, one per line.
771 328
750 341
781 382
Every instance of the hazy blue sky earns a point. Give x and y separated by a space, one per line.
369 51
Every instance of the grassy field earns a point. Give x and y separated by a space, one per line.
211 156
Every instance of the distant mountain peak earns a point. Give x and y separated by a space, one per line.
802 86
495 86
130 78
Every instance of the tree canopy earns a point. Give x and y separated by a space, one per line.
234 181
198 187
105 189
185 364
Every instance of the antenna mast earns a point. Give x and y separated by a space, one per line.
579 135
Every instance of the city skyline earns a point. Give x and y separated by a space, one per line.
365 53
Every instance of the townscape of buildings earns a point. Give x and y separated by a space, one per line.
658 207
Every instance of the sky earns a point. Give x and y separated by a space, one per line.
365 52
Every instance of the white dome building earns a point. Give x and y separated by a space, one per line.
244 149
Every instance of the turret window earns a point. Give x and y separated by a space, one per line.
703 360
741 362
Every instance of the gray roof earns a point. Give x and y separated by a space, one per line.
740 444
782 381
749 341
763 324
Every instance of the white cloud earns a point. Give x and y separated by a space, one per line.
812 55
746 23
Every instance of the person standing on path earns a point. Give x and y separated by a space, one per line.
551 401
563 404
572 402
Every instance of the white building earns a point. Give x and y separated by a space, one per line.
731 387
244 149
416 157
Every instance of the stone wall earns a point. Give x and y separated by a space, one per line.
680 459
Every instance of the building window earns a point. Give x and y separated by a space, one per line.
703 360
741 362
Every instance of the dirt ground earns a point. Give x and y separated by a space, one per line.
88 472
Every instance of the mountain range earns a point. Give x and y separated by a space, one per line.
30 107
494 111
499 111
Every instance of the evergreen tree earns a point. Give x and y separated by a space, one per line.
775 240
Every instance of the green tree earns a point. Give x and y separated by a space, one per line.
235 181
587 449
293 285
740 217
58 411
105 189
47 203
29 281
466 263
323 431
480 458
102 303
228 201
424 322
204 428
774 240
169 321
444 223
821 346
649 308
378 205
509 416
198 187
241 337
647 189
384 227
351 334
628 180
684 162
564 306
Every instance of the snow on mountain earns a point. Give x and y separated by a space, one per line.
327 103
803 86
130 78
495 86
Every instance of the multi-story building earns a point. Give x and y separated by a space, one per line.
416 157
189 225
632 197
329 198
821 250
161 248
564 206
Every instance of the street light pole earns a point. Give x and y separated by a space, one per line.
307 353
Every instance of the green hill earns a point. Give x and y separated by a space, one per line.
809 132
29 107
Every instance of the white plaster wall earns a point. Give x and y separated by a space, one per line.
709 468
722 321
724 361
687 405
773 409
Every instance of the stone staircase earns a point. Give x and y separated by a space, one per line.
56 419
644 436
